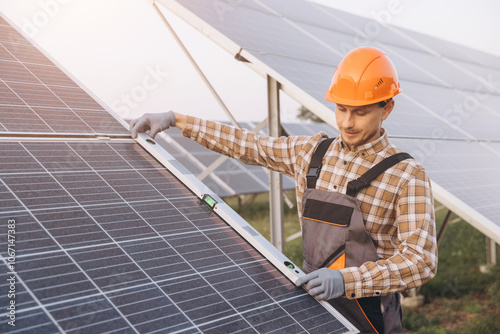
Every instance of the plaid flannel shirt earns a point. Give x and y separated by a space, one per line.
397 207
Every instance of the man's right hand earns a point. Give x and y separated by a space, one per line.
153 122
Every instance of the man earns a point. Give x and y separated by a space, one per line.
368 232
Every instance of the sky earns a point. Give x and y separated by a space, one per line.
123 53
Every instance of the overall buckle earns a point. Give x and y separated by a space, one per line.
313 172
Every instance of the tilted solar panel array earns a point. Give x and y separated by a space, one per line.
37 97
107 240
450 100
104 239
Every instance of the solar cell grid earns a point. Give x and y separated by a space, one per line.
147 257
23 52
468 170
240 15
453 51
39 97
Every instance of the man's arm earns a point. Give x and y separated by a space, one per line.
415 261
278 154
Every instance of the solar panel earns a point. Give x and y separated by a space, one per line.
37 96
449 91
118 243
105 239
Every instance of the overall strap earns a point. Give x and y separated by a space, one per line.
315 165
364 180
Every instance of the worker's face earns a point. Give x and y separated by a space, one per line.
363 124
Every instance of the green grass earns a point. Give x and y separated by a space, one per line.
461 252
460 299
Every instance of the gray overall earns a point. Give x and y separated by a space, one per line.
334 236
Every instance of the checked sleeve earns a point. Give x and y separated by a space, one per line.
278 154
415 259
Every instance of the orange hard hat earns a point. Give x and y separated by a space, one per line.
366 75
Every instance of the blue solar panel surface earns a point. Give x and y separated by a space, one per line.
107 240
39 97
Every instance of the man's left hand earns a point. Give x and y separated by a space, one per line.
323 284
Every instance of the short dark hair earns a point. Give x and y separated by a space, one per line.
382 104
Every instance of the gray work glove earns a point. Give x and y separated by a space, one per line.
153 122
323 284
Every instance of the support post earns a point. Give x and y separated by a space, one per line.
491 252
491 255
443 227
275 180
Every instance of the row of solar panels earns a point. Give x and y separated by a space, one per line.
109 241
101 238
447 117
304 48
435 128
